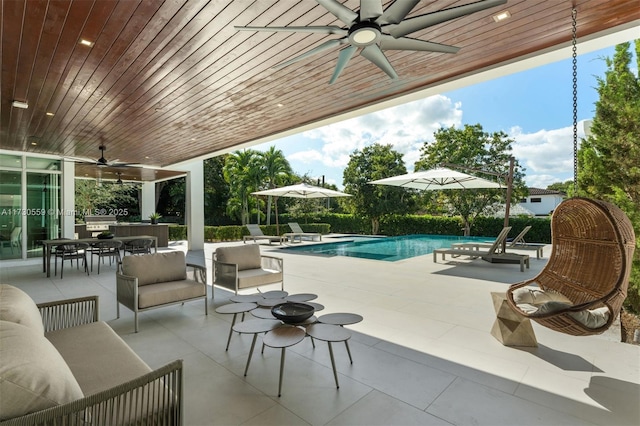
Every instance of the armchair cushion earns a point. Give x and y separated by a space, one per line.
169 292
97 356
245 256
17 307
33 374
258 277
157 268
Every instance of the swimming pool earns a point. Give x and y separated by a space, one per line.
389 249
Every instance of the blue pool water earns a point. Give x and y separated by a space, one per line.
390 249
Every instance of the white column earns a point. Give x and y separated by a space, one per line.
194 208
148 200
68 218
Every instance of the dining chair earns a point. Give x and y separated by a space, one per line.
107 248
70 251
138 246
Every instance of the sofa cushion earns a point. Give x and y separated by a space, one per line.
97 356
156 268
245 256
169 292
33 375
16 306
257 277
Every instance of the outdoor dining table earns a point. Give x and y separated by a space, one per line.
48 244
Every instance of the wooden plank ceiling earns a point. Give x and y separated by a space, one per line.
168 81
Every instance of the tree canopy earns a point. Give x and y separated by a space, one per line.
609 158
471 150
373 201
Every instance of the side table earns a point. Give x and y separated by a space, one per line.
255 327
283 337
341 319
330 333
510 328
235 309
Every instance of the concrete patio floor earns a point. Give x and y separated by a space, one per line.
423 355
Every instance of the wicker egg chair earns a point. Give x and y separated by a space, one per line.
590 263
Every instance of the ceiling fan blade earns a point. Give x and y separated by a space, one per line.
375 55
343 59
370 9
406 43
321 30
395 13
417 23
340 11
321 48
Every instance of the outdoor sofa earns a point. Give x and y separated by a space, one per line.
152 281
61 365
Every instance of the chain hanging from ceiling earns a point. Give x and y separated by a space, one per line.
574 38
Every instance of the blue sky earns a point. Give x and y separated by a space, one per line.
533 107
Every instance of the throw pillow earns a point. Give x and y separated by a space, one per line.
33 375
16 306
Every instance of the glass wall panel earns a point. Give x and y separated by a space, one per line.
13 161
10 214
34 163
42 211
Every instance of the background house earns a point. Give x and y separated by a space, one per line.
542 202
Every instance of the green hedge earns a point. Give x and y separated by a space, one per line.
389 225
236 232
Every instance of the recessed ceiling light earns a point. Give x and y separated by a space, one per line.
50 114
20 104
86 42
501 16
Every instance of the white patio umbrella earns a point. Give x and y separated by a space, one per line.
301 190
437 179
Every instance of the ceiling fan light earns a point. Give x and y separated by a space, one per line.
364 36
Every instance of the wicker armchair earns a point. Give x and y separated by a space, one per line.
592 251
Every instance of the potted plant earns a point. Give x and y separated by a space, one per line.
154 218
105 235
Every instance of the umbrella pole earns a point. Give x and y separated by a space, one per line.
507 205
277 224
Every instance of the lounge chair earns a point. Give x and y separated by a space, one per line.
492 255
518 243
257 234
300 234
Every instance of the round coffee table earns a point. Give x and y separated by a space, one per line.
270 303
283 337
235 309
263 313
301 297
275 294
246 298
255 327
329 333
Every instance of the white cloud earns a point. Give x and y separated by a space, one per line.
547 155
406 127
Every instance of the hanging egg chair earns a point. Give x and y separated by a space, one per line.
581 289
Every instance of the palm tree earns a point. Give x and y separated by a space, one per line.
276 171
240 172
